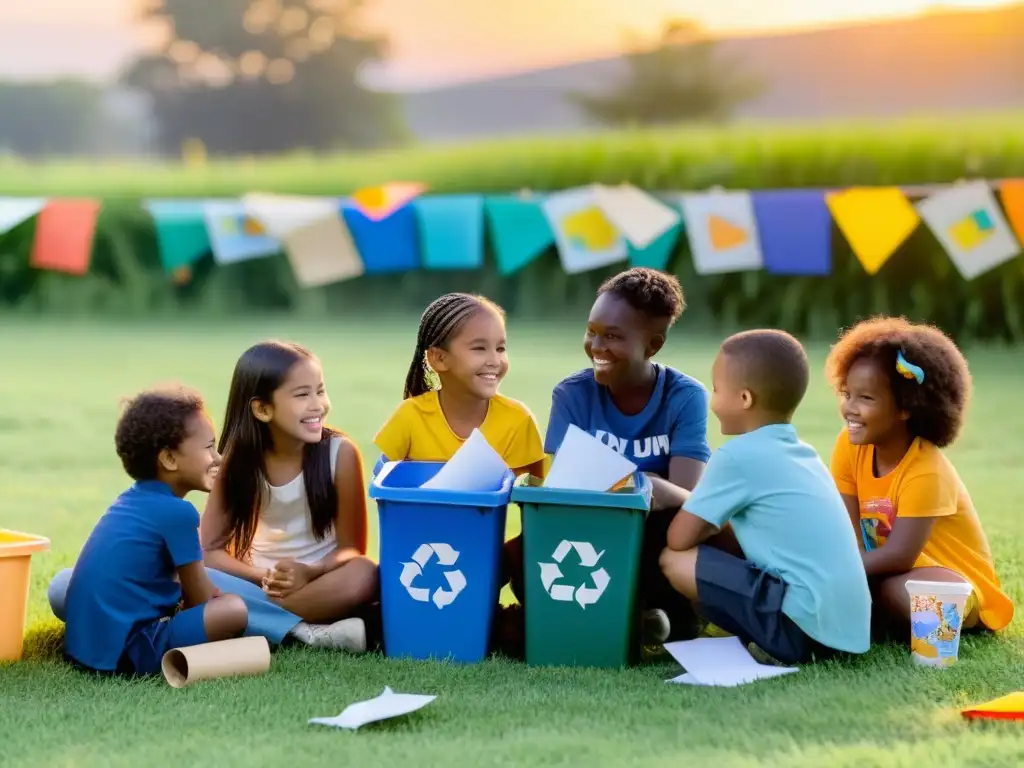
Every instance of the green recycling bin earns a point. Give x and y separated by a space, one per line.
581 555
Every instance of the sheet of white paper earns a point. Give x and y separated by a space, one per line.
281 215
584 463
476 466
721 662
641 217
389 704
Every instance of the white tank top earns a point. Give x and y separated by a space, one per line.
285 530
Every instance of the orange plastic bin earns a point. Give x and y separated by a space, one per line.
16 550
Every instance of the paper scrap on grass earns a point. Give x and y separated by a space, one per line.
386 706
720 662
586 238
181 234
15 210
640 217
451 231
967 221
795 229
584 463
476 466
316 240
874 220
379 202
1009 707
519 229
234 235
722 232
1012 193
64 236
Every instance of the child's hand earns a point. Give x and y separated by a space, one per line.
286 578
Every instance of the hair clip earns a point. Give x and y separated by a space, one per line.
907 369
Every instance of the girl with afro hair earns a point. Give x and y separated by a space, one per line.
904 391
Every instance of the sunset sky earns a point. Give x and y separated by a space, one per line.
437 41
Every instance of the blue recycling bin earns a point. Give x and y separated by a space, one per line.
440 563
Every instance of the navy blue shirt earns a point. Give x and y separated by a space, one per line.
673 423
125 576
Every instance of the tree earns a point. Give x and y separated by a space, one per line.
679 78
262 76
60 118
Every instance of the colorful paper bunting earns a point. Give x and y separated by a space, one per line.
451 231
388 245
235 236
316 240
874 220
520 232
585 237
15 210
1012 192
180 233
795 229
659 252
640 217
722 231
64 236
967 220
378 203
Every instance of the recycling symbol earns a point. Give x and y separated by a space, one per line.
446 556
566 593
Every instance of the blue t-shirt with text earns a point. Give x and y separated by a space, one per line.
125 576
789 520
673 423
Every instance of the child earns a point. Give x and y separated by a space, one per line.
451 389
800 592
143 557
288 510
904 390
651 413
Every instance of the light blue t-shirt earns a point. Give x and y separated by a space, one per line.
125 575
673 423
790 520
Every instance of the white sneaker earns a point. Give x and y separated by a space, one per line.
345 635
656 626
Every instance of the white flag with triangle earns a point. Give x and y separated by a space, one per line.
722 230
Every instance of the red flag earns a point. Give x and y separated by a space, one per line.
64 233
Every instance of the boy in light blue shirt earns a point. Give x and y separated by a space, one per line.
799 591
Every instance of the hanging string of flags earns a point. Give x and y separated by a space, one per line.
397 228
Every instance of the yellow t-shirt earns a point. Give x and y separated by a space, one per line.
418 431
924 484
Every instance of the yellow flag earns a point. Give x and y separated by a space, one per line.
874 220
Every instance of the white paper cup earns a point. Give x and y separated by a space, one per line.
936 616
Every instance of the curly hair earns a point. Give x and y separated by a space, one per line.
936 406
657 294
151 422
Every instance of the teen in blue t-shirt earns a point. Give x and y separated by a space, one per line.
652 414
143 558
799 591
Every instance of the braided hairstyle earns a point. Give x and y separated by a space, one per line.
439 324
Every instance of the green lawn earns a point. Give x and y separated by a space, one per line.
59 390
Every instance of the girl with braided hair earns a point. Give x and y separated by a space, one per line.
451 389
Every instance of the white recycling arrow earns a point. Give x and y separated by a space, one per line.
456 583
566 593
588 596
446 556
409 573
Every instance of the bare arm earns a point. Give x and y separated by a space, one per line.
853 510
196 587
901 548
687 531
214 533
683 474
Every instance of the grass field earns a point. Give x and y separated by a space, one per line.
59 390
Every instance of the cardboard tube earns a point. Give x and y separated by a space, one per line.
226 658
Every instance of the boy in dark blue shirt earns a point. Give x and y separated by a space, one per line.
653 415
139 587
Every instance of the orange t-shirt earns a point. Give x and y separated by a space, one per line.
924 484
